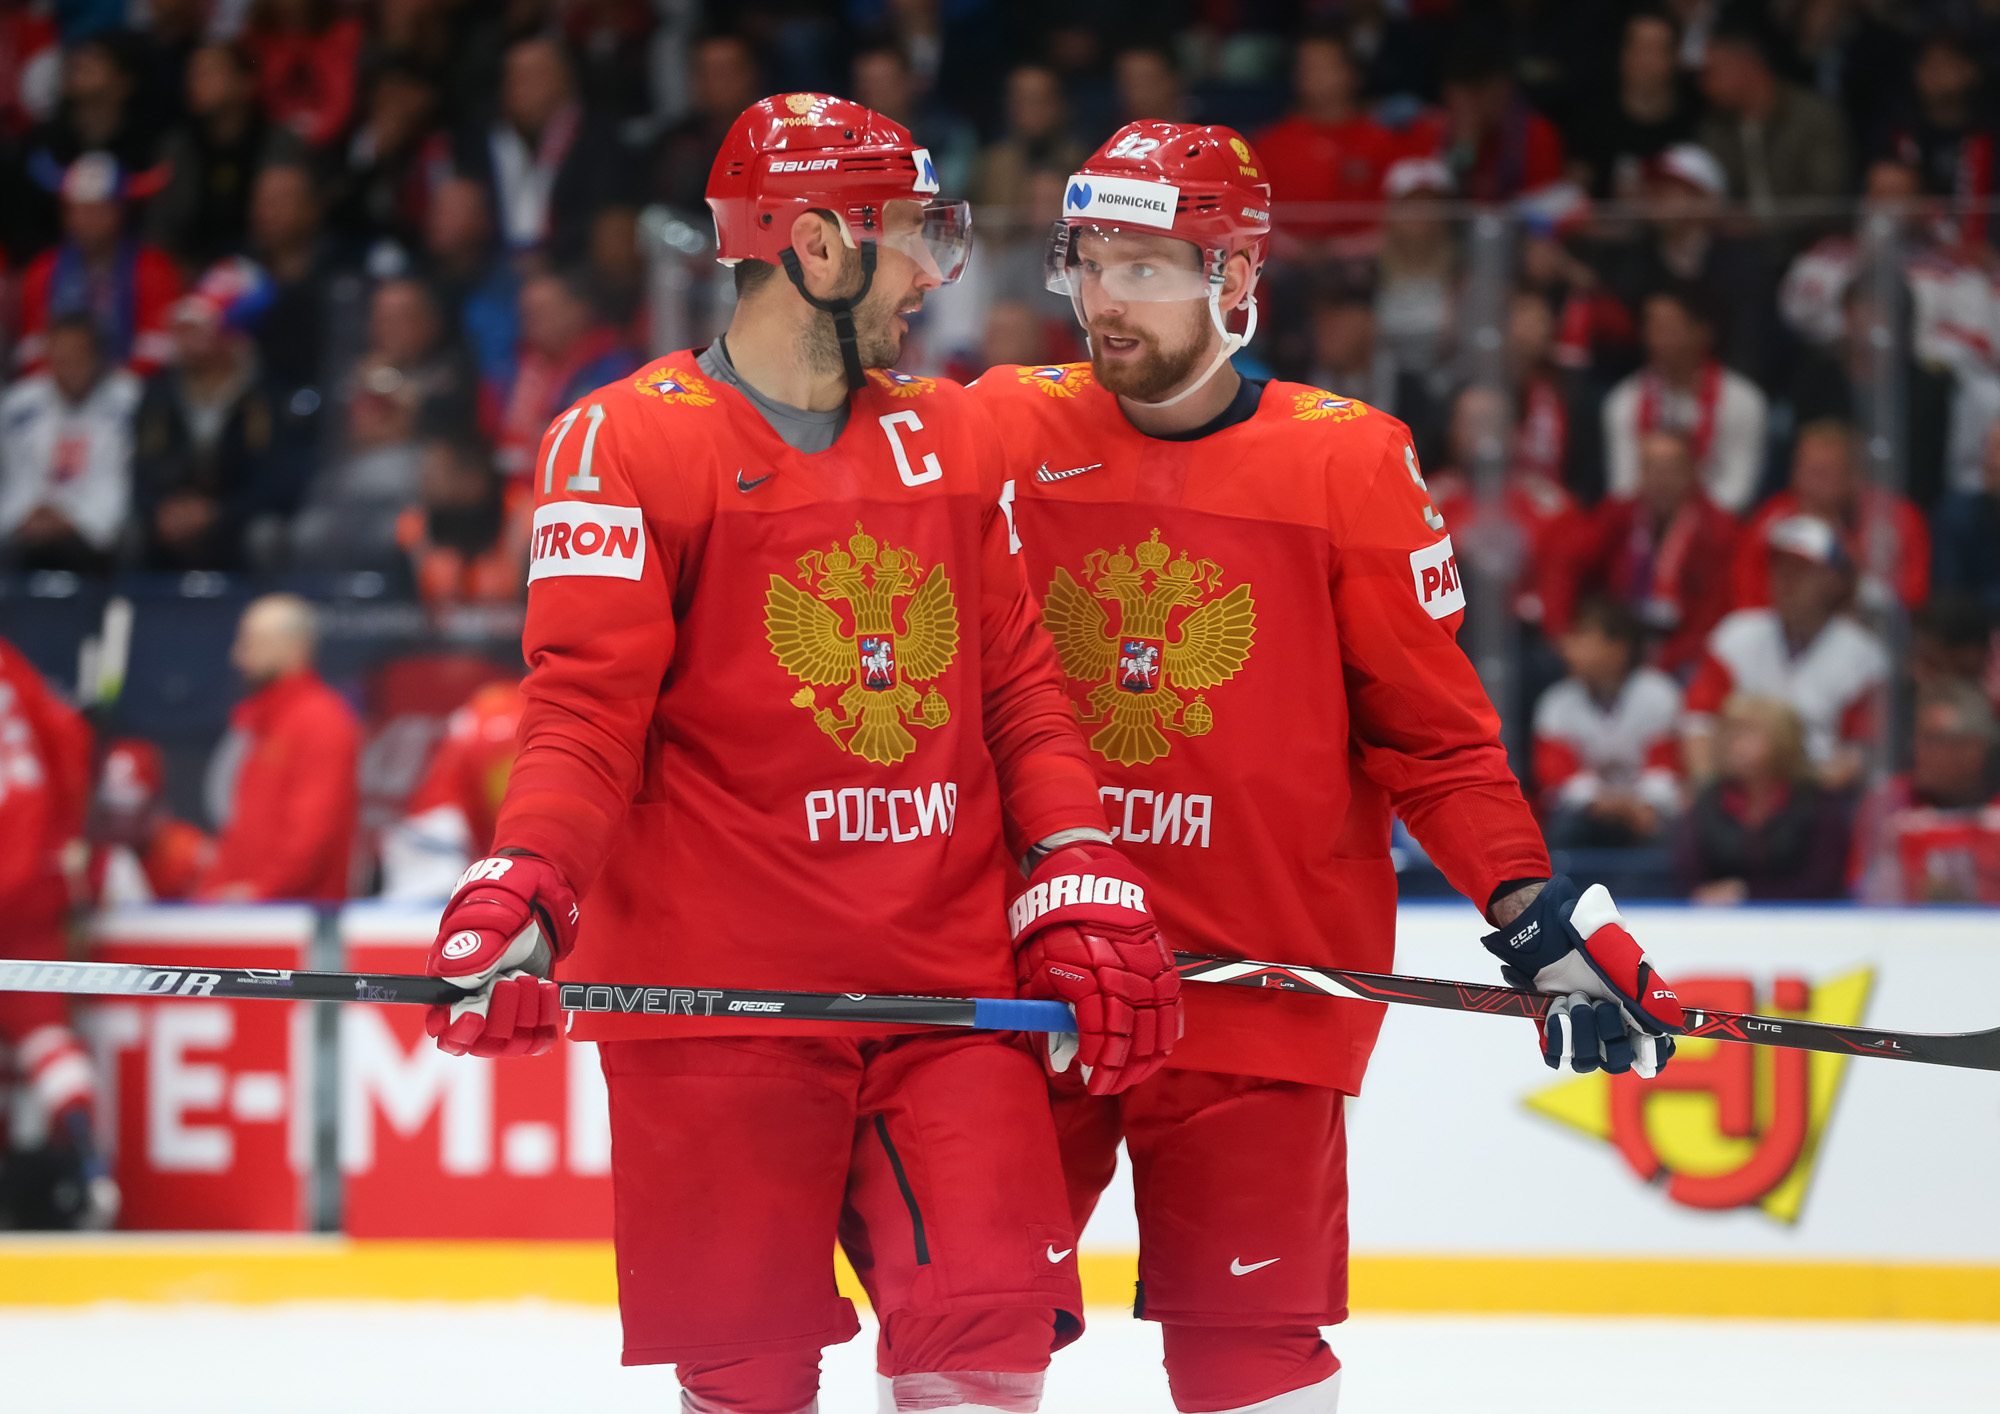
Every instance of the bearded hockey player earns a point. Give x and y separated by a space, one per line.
791 722
1255 601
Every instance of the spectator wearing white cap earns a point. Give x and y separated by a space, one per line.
66 454
1684 388
1802 649
1416 296
100 270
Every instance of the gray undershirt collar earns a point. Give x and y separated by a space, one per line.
802 429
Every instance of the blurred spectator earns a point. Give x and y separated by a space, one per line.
1966 526
286 771
477 286
1948 133
1764 829
1329 149
1607 746
611 42
1880 531
618 273
1416 299
565 352
1036 135
308 57
66 454
1951 637
45 756
1346 359
1013 335
1537 515
395 159
1776 141
203 213
100 271
1541 398
1932 835
1149 85
1494 144
30 66
1665 550
548 161
1651 110
726 81
408 371
464 545
139 852
210 472
98 113
1686 245
285 236
1684 389
1803 650
882 80
450 816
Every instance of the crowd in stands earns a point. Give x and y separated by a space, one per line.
298 285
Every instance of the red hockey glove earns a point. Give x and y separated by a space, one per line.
1084 933
1615 1012
510 920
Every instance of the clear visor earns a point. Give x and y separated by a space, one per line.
1118 266
937 235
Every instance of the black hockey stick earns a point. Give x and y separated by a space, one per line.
1974 1050
279 984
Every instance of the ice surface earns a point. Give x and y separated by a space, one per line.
386 1358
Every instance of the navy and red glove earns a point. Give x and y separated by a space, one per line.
1084 934
1614 1011
511 919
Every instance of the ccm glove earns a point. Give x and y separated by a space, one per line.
511 919
1084 934
1614 1012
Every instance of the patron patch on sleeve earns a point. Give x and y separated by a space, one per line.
580 537
1435 570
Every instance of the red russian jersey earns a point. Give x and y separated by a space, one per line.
784 702
1258 633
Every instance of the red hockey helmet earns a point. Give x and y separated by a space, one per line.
1202 185
810 151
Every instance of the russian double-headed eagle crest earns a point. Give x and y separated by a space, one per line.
1316 404
898 628
1058 380
674 385
900 385
1177 633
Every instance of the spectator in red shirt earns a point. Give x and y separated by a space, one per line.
1827 483
294 801
126 286
565 352
1537 514
448 820
1932 834
138 851
308 58
1496 145
1607 747
1329 149
1665 550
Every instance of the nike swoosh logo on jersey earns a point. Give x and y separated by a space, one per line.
742 485
1237 1269
1055 1256
1042 473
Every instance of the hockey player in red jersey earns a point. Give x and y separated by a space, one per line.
791 720
1255 601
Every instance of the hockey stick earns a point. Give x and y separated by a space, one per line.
110 979
1974 1050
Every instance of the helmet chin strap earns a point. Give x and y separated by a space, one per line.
842 310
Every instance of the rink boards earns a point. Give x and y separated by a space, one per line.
1750 1182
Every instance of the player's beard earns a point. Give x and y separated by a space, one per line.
1160 368
876 337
